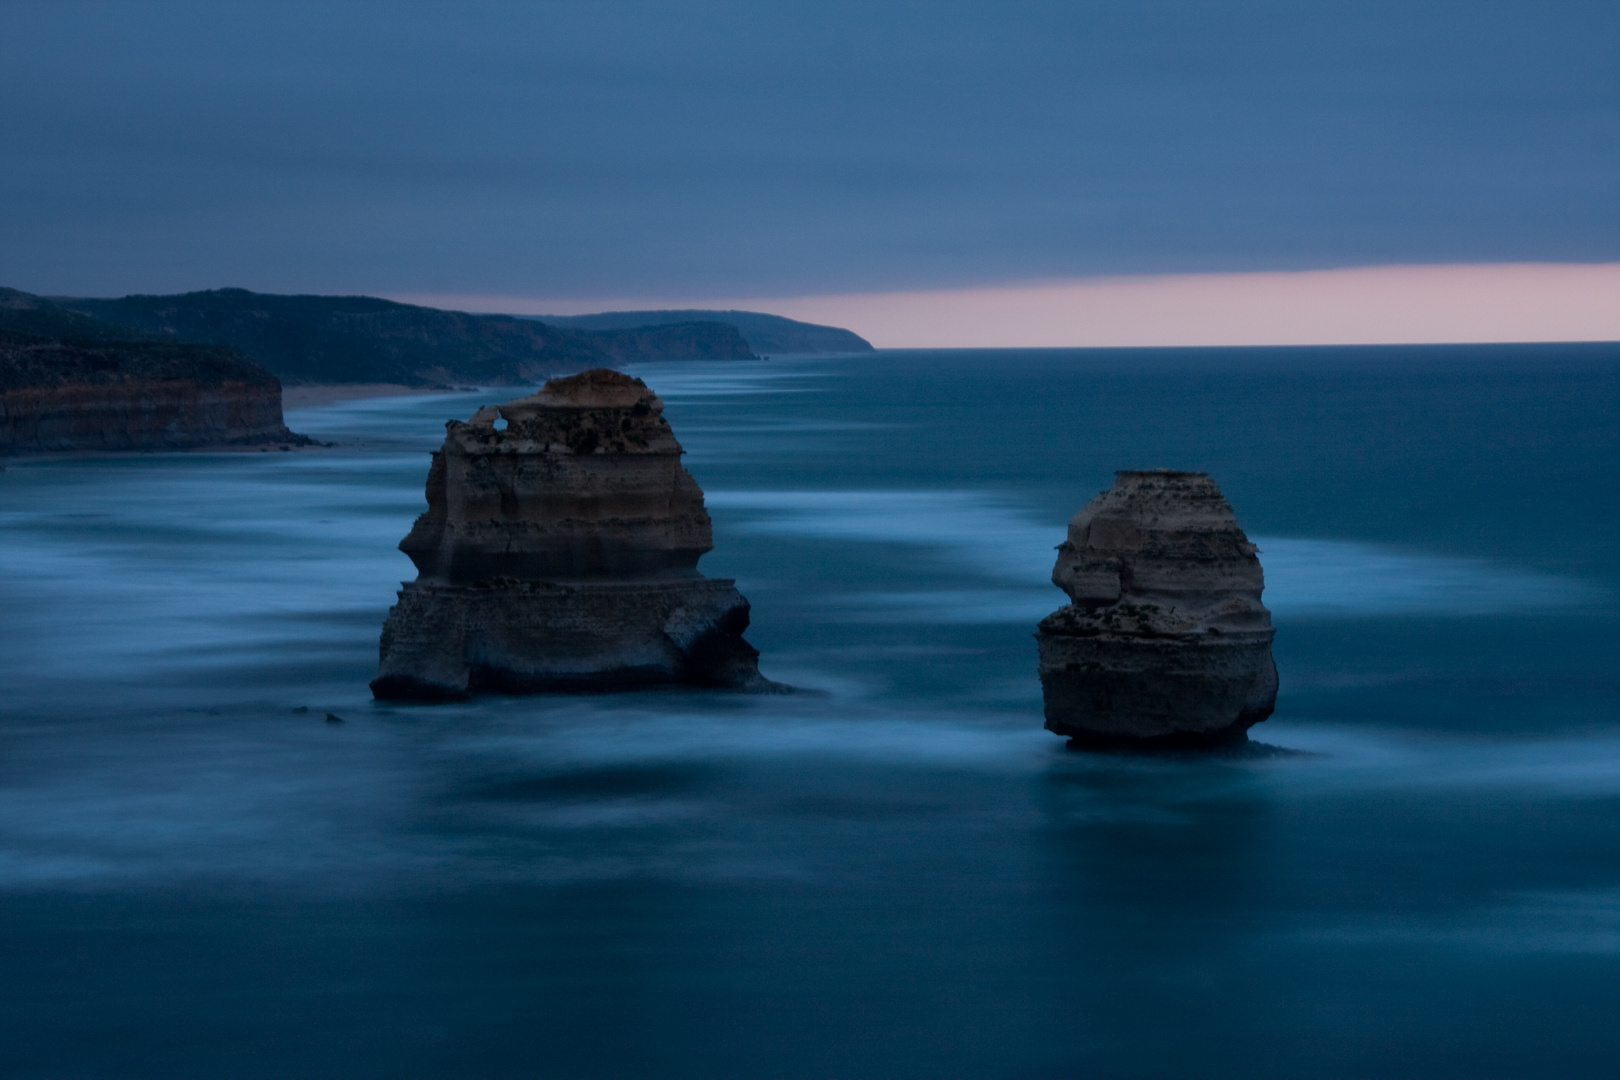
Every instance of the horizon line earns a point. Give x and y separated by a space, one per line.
1391 304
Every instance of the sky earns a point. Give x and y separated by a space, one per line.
886 164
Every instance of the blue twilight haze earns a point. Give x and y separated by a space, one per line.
220 856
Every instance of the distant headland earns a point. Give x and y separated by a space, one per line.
331 340
143 372
765 334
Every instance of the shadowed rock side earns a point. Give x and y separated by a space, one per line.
561 554
1166 641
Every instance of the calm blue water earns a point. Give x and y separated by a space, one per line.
1417 874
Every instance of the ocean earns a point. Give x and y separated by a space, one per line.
220 857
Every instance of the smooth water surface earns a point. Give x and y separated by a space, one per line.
1414 870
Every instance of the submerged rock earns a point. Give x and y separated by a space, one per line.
560 553
1166 640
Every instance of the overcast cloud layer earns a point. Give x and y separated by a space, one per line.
577 150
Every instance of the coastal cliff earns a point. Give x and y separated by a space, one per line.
327 340
58 395
365 339
559 552
1166 639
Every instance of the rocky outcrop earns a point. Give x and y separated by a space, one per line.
1166 640
559 551
132 395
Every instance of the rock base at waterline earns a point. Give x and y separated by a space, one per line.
1143 692
446 641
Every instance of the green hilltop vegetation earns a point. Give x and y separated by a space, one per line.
30 360
93 351
26 314
312 340
765 334
363 339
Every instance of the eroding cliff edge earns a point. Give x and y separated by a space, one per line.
559 552
132 395
1166 641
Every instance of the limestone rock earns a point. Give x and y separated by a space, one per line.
58 395
585 481
1166 639
559 551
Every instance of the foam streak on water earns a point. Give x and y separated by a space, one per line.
1412 872
975 530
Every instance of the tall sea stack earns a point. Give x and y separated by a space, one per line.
1166 641
560 552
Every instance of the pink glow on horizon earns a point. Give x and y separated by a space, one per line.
1466 303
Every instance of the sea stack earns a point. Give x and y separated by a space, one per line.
1166 641
559 552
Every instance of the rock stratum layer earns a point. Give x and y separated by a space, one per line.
560 553
130 395
1166 640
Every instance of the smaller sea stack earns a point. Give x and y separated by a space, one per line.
1166 641
560 552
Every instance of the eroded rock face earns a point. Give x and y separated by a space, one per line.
133 395
559 552
1166 639
585 481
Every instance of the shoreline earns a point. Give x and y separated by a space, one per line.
16 457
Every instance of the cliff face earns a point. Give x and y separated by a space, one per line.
1166 638
61 395
559 552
